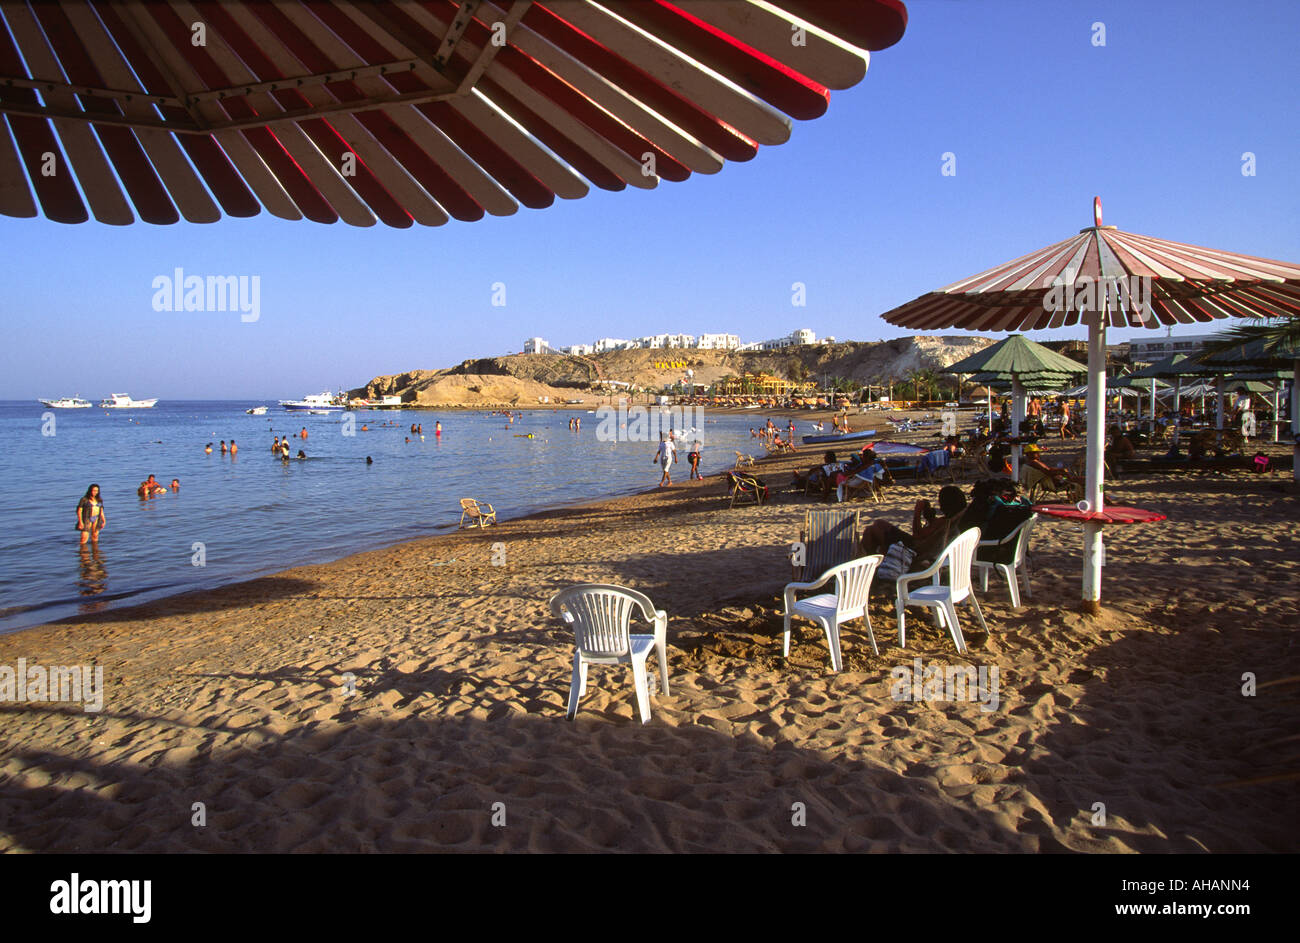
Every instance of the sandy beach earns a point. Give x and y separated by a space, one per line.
238 699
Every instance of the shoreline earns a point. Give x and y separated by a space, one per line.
238 697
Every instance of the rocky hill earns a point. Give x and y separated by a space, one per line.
520 379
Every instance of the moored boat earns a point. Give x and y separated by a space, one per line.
123 401
316 401
838 437
256 411
67 402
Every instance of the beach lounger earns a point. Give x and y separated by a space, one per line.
957 558
828 538
1008 556
600 615
831 610
743 460
478 513
934 465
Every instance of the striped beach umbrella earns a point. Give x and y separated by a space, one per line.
1104 277
401 112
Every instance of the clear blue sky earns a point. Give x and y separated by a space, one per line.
854 206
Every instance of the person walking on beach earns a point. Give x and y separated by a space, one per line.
1066 431
90 515
666 456
789 431
694 458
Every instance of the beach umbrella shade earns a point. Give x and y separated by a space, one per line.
401 113
1104 277
1018 360
1277 350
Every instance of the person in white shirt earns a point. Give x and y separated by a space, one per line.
666 456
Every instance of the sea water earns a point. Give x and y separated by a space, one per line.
236 518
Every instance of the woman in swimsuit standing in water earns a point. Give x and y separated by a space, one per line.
90 515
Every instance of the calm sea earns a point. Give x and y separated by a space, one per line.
255 514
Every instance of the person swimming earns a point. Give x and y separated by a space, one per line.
369 460
302 454
208 448
223 447
176 484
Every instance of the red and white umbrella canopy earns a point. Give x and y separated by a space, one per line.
401 112
1184 284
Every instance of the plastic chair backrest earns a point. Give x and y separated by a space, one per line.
1022 539
601 616
853 584
830 538
958 555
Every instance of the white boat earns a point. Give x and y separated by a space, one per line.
256 411
123 401
68 402
316 401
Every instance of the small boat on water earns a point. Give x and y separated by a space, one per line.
123 401
256 411
837 437
67 402
316 402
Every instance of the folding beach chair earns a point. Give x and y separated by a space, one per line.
829 537
1036 483
743 460
746 488
478 513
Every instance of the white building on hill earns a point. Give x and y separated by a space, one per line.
719 342
536 345
1149 350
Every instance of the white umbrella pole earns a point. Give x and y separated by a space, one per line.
1017 411
1092 543
1153 404
1178 410
1295 420
1218 408
1277 417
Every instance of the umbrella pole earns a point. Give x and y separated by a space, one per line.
1295 420
1218 409
1178 409
1017 411
1277 416
1092 543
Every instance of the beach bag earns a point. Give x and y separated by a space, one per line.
897 559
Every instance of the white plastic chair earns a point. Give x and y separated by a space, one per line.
1015 571
831 610
957 557
600 615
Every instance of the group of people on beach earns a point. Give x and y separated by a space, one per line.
770 437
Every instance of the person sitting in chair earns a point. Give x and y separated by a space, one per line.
818 474
1058 476
865 472
931 530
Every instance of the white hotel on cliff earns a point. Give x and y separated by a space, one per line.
538 345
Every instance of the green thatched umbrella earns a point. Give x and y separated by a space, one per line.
1021 362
